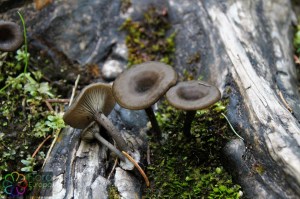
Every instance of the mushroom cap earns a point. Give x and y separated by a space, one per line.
193 95
92 100
11 36
143 84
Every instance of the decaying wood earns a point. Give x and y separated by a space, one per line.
274 132
78 167
248 52
81 169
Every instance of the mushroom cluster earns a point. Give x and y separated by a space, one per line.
137 88
11 36
144 84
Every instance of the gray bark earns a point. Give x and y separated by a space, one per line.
246 49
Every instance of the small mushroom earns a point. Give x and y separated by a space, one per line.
11 36
91 132
93 104
192 96
142 85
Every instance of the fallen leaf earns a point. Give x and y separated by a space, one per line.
40 4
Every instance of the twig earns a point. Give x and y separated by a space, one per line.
49 106
40 146
284 102
148 154
51 146
232 127
74 89
112 170
58 100
138 167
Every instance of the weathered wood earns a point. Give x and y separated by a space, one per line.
246 49
78 168
81 169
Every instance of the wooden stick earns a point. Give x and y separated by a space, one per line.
74 89
284 102
112 170
58 100
138 167
40 146
49 106
148 154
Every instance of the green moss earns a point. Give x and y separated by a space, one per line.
113 193
191 168
149 39
258 168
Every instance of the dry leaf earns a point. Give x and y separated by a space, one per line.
40 4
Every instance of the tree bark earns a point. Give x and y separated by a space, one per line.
246 50
79 168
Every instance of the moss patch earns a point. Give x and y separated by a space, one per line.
191 168
25 120
150 38
113 192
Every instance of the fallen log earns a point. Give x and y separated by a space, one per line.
245 48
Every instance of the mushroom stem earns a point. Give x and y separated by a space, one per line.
109 146
101 119
153 121
190 115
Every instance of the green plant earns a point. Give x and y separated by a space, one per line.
297 40
29 163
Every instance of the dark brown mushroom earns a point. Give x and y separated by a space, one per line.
11 36
94 103
91 132
142 86
192 96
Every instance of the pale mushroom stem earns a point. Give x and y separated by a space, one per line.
102 120
190 115
153 121
109 146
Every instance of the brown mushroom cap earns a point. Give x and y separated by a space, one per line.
193 95
11 36
143 84
93 99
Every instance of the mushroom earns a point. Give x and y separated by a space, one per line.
91 132
11 36
93 104
192 96
142 85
